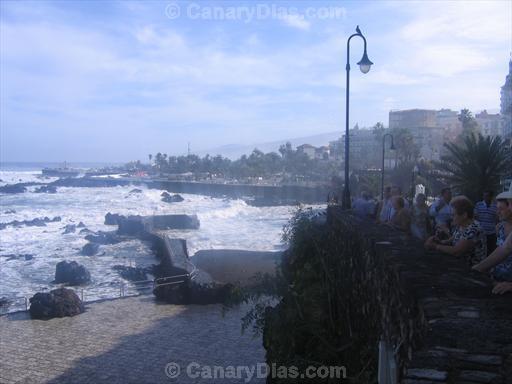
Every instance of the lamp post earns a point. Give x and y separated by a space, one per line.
365 65
415 172
383 152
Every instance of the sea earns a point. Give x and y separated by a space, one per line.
225 224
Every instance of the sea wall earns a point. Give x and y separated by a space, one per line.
354 283
262 193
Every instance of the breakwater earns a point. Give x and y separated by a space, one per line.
260 194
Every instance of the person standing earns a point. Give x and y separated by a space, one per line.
401 219
441 211
500 261
486 215
385 206
420 225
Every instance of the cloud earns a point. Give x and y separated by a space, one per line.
296 21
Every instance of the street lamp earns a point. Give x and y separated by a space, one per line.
415 172
365 65
383 152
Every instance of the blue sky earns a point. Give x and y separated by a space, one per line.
114 81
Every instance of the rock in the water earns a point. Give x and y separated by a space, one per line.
13 188
168 198
71 273
112 218
56 303
38 222
103 238
131 225
70 228
135 190
9 211
5 302
173 221
131 273
90 249
25 256
46 189
85 230
80 225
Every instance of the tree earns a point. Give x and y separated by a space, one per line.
407 150
475 165
469 124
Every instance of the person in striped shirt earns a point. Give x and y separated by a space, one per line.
486 215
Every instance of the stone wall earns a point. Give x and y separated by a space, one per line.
373 282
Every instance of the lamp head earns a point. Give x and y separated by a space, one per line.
365 63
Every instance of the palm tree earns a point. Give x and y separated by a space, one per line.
475 165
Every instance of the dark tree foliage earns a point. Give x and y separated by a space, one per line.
475 165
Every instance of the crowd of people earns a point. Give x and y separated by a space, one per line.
480 233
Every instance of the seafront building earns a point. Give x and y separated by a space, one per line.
506 103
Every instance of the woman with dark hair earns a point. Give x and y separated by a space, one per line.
468 239
401 218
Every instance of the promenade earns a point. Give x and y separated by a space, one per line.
129 340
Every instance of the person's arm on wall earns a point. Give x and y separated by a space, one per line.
499 255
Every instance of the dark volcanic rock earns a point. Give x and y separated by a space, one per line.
5 302
56 303
13 188
38 222
90 249
103 238
135 190
85 230
173 222
131 273
112 219
80 225
168 198
46 189
9 211
70 228
71 273
25 256
131 225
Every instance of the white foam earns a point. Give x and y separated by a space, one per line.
224 224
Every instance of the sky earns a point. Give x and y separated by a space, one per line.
114 81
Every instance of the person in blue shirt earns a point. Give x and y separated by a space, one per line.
441 211
500 261
486 214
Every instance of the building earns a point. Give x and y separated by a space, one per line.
336 150
506 103
449 121
365 149
412 118
490 124
322 153
308 149
424 127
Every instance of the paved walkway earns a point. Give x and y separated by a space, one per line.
129 340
